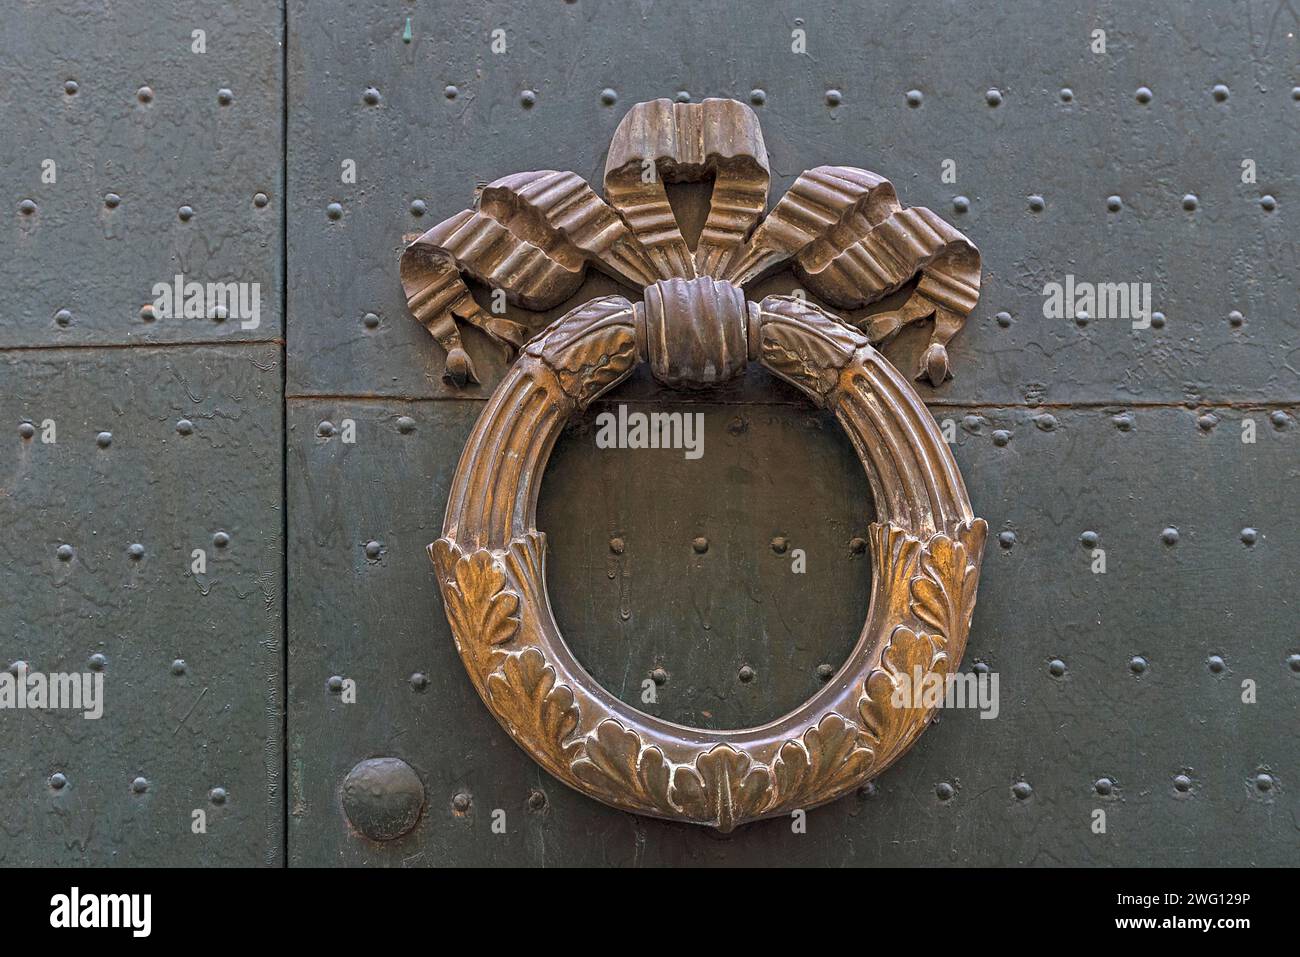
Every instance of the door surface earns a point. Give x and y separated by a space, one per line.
1139 478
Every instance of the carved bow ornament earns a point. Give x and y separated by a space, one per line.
851 243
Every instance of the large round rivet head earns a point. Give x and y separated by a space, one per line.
382 798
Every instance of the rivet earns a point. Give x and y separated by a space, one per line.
1022 790
450 91
683 96
944 791
1158 320
64 552
857 545
1169 535
1182 783
1189 201
383 798
217 795
335 684
112 200
220 539
1046 422
1235 318
1114 203
27 207
370 320
104 439
63 317
1267 202
225 97
184 426
58 780
1220 92
460 802
16 667
1264 781
757 97
1104 786
373 549
1207 421
527 99
325 428
419 207
1143 94
1279 419
334 211
972 423
26 429
1137 664
1293 662
1066 94
1215 663
1089 539
260 199
140 785
1007 538
371 96
71 87
1295 92
135 551
179 667
1001 437
609 96
780 544
405 424
960 204
617 545
834 97
914 98
144 94
1081 317
1056 668
419 681
1037 203
1003 319
1249 536
700 544
659 676
1124 421
148 313
746 674
536 800
825 672
97 661
993 97
868 791
186 213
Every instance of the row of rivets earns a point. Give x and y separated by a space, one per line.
1114 203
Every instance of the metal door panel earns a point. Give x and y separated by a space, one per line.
192 659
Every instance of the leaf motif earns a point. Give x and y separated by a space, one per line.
943 594
537 711
889 725
895 550
827 761
482 611
723 787
616 767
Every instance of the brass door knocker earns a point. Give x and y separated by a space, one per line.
851 242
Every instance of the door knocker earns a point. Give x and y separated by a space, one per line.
851 242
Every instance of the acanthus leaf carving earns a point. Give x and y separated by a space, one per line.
616 766
534 707
943 593
483 612
894 708
828 759
723 787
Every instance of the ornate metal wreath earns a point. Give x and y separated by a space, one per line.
851 243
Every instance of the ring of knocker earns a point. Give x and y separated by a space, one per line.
851 242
